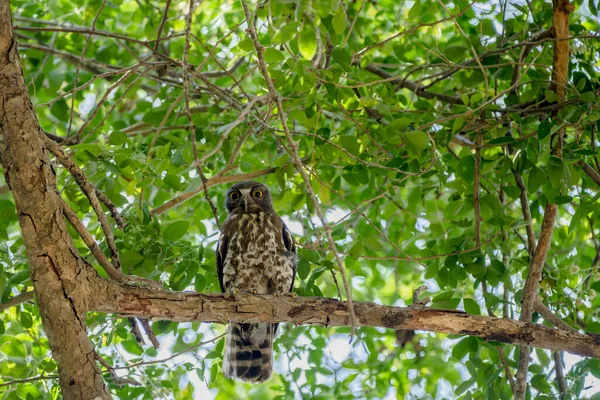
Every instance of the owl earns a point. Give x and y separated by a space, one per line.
256 253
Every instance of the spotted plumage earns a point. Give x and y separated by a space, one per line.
256 252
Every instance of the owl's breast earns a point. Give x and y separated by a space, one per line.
256 256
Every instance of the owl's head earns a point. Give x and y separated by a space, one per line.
248 197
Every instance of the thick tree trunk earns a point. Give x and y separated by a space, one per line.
59 276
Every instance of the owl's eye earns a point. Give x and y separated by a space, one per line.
257 193
234 195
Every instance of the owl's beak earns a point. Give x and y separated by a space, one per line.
247 201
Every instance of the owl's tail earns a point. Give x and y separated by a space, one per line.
249 352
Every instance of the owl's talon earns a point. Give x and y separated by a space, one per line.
293 295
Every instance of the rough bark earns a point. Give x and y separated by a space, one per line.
59 276
116 298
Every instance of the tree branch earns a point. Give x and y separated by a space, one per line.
90 192
115 298
16 300
526 212
560 374
90 242
560 66
27 380
551 317
414 87
591 173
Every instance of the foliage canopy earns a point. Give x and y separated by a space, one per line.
398 109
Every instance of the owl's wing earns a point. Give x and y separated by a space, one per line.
290 245
221 254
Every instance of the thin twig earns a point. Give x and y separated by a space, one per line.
414 87
114 212
549 316
437 256
413 29
593 174
98 107
149 332
81 230
230 127
16 300
113 106
507 372
298 162
116 379
362 4
476 182
560 374
135 330
174 355
87 84
526 212
26 380
216 180
85 46
162 23
186 90
90 191
475 56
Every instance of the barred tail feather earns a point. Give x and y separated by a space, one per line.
249 352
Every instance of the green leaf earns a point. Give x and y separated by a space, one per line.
176 230
93 149
26 320
117 138
472 307
356 250
130 259
460 349
536 179
341 56
246 45
593 327
273 56
307 42
588 96
558 200
417 140
458 124
501 141
303 269
415 10
556 171
199 283
550 96
132 347
339 21
455 53
544 129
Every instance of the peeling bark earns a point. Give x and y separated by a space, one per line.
116 298
59 276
